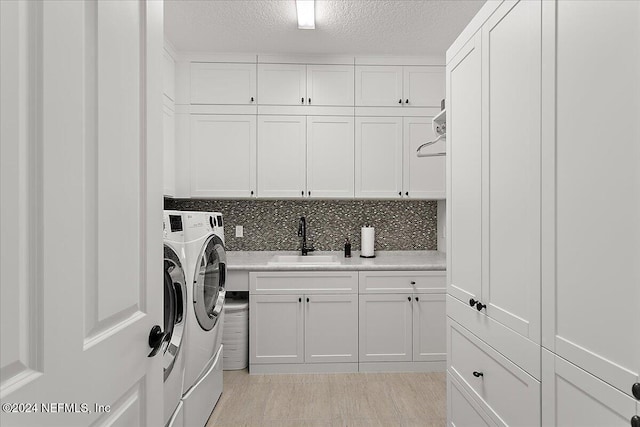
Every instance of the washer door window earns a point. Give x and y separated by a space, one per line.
175 307
208 288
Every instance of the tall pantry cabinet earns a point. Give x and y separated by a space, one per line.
543 284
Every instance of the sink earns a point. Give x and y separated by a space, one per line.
305 260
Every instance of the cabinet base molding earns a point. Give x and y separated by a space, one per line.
435 366
304 368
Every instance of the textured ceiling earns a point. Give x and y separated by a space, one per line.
390 27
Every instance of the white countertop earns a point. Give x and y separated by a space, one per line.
384 260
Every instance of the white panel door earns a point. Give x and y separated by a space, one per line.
223 83
423 177
464 156
330 157
276 329
423 86
223 155
429 328
282 156
378 169
573 397
386 328
594 290
330 85
81 210
331 328
169 149
282 84
511 183
378 86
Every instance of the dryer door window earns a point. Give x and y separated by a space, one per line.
175 307
209 290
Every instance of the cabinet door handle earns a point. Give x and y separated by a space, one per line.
417 299
406 102
400 193
302 193
400 101
302 100
413 283
307 299
309 100
252 99
473 302
635 421
300 299
480 306
478 374
252 192
309 192
409 298
635 390
407 193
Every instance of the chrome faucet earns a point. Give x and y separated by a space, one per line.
302 232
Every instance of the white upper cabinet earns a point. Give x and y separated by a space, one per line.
464 204
378 86
330 85
217 83
423 86
282 84
223 155
423 177
592 274
378 168
330 157
282 156
511 153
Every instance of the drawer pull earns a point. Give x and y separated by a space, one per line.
480 306
635 421
413 283
478 374
635 390
417 299
473 302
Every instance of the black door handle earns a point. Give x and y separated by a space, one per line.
302 100
400 101
252 99
480 306
413 283
635 421
478 374
635 390
302 193
307 299
417 299
399 193
156 338
299 299
473 302
252 192
409 298
309 100
407 193
406 102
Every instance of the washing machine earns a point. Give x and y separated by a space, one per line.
175 316
206 271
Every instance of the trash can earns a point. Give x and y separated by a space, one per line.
235 336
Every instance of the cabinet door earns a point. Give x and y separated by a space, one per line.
330 84
573 397
511 44
423 86
386 328
223 83
276 329
378 157
331 328
282 84
169 150
429 328
281 156
462 409
378 86
223 155
330 157
464 136
423 177
592 282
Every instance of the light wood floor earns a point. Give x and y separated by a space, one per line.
384 400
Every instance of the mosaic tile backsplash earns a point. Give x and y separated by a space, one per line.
272 225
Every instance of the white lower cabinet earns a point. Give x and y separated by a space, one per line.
574 397
509 395
303 329
462 410
429 328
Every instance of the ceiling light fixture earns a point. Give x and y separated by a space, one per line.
306 14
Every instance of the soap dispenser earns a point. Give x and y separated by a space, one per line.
347 248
